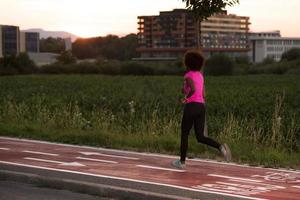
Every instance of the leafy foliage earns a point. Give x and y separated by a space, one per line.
292 54
219 64
268 60
109 47
21 64
66 57
202 9
113 67
53 45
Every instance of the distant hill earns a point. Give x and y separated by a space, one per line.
55 34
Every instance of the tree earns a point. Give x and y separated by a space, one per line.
53 45
109 47
218 65
203 9
21 64
268 60
66 57
292 54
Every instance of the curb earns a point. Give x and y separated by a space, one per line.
83 187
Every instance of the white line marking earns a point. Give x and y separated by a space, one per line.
160 168
75 164
231 190
279 177
41 153
97 160
43 160
228 190
245 166
245 180
296 186
107 155
4 149
133 180
149 154
236 178
263 184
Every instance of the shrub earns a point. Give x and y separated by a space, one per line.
242 60
268 60
292 54
133 68
108 67
282 67
21 64
80 68
52 69
219 65
66 57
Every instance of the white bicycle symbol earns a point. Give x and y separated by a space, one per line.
280 177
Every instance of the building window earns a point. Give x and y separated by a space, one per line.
288 42
296 42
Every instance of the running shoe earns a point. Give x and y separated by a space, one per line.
225 150
178 164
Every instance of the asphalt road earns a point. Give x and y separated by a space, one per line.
20 191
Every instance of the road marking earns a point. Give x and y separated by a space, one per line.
280 177
133 180
245 180
4 149
75 164
107 155
263 184
146 154
236 189
236 178
97 160
274 187
160 168
41 153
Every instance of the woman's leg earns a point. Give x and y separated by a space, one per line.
186 126
199 122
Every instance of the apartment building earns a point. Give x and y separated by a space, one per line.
10 40
1 54
270 44
32 42
13 41
171 33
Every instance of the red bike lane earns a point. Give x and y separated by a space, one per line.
201 176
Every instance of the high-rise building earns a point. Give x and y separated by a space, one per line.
1 55
10 43
171 33
13 41
30 42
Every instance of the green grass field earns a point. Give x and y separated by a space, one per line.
258 116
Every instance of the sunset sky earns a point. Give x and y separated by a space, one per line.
98 17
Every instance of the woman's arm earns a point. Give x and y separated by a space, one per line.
191 85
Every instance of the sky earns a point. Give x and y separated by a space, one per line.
89 18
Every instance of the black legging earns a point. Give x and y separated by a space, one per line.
194 114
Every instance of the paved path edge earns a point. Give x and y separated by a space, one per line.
81 186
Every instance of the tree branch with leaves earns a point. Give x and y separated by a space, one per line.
203 9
